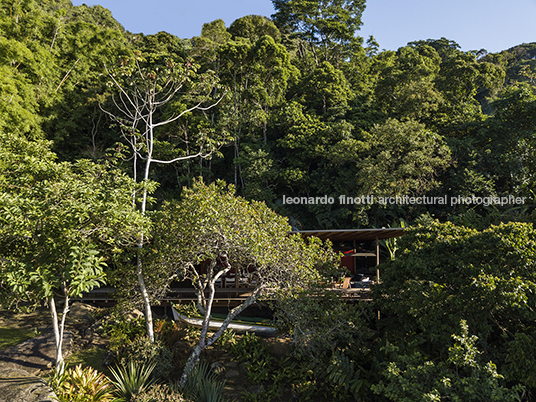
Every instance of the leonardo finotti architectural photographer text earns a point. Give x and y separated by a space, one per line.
405 200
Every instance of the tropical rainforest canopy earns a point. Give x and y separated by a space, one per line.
100 127
297 106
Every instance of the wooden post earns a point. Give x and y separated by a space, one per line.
354 260
377 260
377 264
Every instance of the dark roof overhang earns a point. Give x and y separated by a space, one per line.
352 234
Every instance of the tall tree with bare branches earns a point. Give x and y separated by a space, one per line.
151 95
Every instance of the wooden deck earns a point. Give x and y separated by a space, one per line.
223 295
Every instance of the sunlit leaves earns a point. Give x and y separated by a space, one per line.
404 158
331 25
211 224
444 273
59 221
409 376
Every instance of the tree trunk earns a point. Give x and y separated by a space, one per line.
145 295
203 342
139 262
58 335
138 104
190 365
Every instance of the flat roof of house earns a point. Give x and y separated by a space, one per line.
352 234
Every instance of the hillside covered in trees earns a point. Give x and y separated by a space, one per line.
294 106
101 130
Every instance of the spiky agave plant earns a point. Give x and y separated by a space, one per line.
203 385
132 379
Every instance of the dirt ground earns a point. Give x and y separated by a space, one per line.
39 319
37 355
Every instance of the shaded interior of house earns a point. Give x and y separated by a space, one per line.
361 255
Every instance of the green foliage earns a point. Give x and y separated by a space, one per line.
462 377
55 215
326 91
169 333
206 47
254 27
82 385
122 331
52 58
405 158
516 62
278 376
392 244
311 112
13 336
521 359
166 90
248 347
299 375
227 338
319 322
440 267
212 225
131 379
129 343
203 385
142 351
509 161
190 332
332 25
251 349
341 372
59 223
159 393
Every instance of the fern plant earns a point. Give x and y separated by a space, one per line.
341 373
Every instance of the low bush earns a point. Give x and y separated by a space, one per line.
159 393
252 349
122 331
228 337
277 376
248 347
128 342
142 351
169 333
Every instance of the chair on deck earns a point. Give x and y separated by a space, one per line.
230 281
346 283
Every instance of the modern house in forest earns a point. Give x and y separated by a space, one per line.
361 256
361 247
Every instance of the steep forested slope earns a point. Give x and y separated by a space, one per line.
311 108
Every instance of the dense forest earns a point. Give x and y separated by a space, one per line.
299 112
294 106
